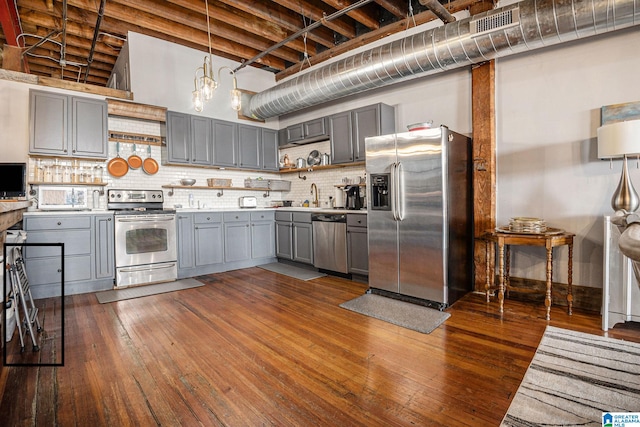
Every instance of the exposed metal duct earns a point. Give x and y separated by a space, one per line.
508 30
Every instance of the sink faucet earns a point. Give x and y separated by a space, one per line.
315 200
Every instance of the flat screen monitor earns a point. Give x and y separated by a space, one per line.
13 180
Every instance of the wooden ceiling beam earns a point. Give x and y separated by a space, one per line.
76 46
223 38
283 18
44 69
187 37
397 8
241 19
363 15
314 13
387 30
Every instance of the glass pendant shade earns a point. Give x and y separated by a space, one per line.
236 100
198 103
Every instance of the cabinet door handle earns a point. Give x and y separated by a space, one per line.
247 225
59 270
59 223
208 218
108 219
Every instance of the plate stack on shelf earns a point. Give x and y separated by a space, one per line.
527 225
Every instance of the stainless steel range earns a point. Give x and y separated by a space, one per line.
145 237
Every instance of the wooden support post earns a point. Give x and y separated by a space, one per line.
484 161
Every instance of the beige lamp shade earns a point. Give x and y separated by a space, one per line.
618 139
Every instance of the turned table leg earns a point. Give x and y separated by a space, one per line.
570 279
501 275
487 256
547 300
507 270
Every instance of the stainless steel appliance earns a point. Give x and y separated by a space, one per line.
354 201
145 238
420 228
61 197
330 242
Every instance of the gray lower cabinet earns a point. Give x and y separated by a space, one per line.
88 253
294 236
237 236
357 244
212 242
262 235
184 236
349 130
208 239
104 246
64 125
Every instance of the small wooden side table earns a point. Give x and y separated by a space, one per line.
549 240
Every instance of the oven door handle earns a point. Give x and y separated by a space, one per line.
144 219
146 268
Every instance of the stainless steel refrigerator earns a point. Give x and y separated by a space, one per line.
420 208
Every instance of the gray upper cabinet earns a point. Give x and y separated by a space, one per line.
307 132
178 138
249 146
270 150
63 125
225 143
341 138
350 129
201 141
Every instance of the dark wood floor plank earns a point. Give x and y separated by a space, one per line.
253 347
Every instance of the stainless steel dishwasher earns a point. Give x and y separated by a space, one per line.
330 242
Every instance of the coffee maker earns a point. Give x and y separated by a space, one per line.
354 201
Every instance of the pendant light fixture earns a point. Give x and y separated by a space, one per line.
205 85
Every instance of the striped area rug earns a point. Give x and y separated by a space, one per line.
575 377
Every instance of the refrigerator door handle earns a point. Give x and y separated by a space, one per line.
399 192
394 194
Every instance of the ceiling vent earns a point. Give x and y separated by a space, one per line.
498 21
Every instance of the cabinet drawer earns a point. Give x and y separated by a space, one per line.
76 242
45 270
56 223
356 220
284 216
262 216
236 216
301 217
207 217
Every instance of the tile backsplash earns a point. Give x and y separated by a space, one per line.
326 180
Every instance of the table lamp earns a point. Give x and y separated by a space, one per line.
620 140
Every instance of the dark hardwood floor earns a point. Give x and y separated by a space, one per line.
252 347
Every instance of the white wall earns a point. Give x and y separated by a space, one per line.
162 74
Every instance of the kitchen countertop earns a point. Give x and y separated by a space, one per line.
288 209
192 210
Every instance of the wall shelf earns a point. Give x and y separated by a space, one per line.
75 184
320 167
220 188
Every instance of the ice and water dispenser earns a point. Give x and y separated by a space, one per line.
380 191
